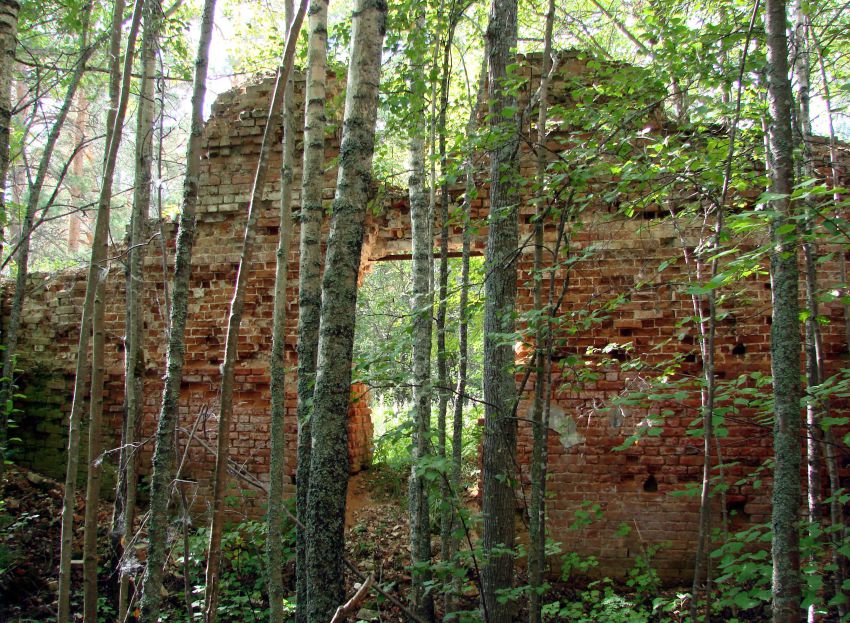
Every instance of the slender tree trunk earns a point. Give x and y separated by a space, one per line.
785 330
235 320
309 275
707 340
125 495
164 449
446 514
836 510
329 459
82 368
33 205
274 543
422 303
470 192
100 248
537 536
8 43
499 503
803 135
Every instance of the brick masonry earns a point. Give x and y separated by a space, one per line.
637 487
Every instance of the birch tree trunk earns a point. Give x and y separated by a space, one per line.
164 450
785 330
499 476
274 543
235 320
422 303
329 459
309 275
100 262
536 531
8 43
125 495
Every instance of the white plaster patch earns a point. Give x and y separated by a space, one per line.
565 426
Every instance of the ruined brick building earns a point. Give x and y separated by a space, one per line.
635 262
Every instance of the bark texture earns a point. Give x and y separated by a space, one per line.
785 330
536 510
329 459
8 42
422 303
99 255
274 543
164 450
309 275
125 494
234 320
500 427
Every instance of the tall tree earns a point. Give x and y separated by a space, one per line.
234 319
421 302
470 192
97 281
8 42
537 510
329 458
500 427
277 367
309 274
125 494
69 500
785 330
164 449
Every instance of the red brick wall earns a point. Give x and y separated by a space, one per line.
636 487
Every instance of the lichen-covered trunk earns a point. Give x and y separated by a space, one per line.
309 275
785 330
500 427
274 542
422 303
164 450
100 262
536 509
234 320
124 512
329 459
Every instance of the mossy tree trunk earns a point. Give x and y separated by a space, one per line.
422 302
498 461
164 450
309 275
785 329
329 458
234 320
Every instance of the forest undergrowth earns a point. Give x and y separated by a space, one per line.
377 545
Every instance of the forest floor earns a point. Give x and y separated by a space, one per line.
377 544
30 525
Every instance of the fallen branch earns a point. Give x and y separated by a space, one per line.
352 604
